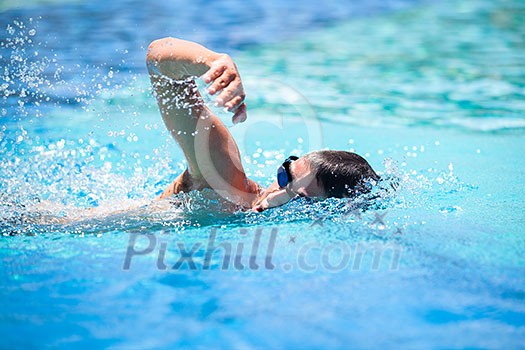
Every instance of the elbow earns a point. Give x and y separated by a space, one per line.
155 48
158 51
153 56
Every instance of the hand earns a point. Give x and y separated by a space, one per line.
273 197
226 81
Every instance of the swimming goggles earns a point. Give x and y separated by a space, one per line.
284 176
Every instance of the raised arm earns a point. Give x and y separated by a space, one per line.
180 59
212 154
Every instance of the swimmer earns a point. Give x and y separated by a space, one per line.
210 150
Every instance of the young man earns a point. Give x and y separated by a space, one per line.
212 154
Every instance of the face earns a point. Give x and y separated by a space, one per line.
303 184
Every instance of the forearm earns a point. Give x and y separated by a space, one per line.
179 59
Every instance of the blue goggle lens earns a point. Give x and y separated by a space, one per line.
284 177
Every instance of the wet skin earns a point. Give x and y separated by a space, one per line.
212 153
303 184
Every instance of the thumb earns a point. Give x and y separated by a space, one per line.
240 114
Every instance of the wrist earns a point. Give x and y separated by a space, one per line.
210 59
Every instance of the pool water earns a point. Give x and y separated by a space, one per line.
431 93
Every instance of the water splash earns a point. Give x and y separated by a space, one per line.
104 181
29 78
102 203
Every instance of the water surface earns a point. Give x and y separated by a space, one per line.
429 92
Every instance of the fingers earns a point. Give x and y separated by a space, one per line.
222 81
234 103
213 73
240 114
259 207
226 83
229 94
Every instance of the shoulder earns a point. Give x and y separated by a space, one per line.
183 183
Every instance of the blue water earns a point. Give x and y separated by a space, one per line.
431 93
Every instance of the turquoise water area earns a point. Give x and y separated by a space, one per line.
431 93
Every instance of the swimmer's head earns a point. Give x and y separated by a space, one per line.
341 174
320 174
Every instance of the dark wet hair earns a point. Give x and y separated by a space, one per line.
342 174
